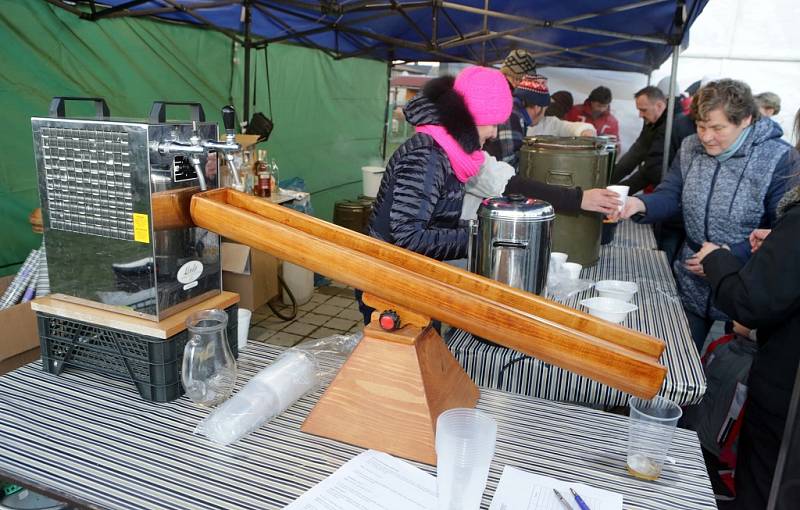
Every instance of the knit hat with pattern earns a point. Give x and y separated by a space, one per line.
532 90
517 64
486 94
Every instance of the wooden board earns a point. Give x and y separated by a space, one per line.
163 329
613 363
388 395
446 273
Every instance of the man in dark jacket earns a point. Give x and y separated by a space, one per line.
763 294
647 152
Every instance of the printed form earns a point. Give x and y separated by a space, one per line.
520 490
372 481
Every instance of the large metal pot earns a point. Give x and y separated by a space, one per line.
511 241
564 161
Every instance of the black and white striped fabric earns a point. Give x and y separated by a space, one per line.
630 234
91 440
660 314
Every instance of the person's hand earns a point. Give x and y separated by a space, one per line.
740 329
600 200
694 266
588 132
757 237
705 250
632 206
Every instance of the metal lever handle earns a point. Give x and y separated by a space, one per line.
57 106
158 113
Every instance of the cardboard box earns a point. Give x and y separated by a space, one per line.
19 337
250 273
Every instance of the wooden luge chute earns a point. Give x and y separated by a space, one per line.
556 334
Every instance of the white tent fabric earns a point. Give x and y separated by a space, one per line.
756 42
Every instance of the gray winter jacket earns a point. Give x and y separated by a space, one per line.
722 202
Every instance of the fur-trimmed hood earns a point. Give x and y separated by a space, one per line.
789 200
439 104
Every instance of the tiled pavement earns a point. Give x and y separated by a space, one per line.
332 310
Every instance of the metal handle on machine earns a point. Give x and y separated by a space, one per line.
57 106
158 113
560 178
472 248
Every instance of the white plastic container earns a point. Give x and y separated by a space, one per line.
612 310
617 289
372 176
300 281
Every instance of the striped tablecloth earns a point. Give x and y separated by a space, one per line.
630 234
660 314
91 440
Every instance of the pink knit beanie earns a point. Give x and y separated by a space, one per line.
486 93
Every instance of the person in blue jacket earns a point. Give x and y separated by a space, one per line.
726 181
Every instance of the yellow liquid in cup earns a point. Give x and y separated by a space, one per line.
643 467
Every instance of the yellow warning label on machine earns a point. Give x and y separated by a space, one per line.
141 228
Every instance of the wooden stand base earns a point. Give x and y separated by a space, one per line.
390 391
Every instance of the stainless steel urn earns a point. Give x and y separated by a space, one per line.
511 241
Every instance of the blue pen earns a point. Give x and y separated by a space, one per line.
582 504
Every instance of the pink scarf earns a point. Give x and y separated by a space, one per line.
464 165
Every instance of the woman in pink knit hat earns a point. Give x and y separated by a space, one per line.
419 201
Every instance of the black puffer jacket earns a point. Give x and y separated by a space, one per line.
419 200
764 294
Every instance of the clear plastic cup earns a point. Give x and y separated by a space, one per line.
465 440
650 429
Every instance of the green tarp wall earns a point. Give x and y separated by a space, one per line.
328 114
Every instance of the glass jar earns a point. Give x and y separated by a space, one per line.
209 368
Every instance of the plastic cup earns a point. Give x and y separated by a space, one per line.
243 327
465 440
622 191
650 429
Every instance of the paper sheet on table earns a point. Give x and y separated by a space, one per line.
372 480
520 490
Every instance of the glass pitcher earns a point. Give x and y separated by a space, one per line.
209 368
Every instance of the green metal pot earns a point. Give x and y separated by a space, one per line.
569 162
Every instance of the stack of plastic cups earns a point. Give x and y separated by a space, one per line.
465 440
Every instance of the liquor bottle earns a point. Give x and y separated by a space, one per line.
264 175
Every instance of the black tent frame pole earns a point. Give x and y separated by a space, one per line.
670 111
247 48
386 114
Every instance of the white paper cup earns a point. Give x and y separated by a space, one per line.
243 327
465 440
557 260
622 191
573 270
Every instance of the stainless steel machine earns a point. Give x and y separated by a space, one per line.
511 241
98 181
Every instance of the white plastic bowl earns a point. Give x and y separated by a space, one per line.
617 289
573 269
612 310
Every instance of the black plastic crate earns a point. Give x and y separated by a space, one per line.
152 364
